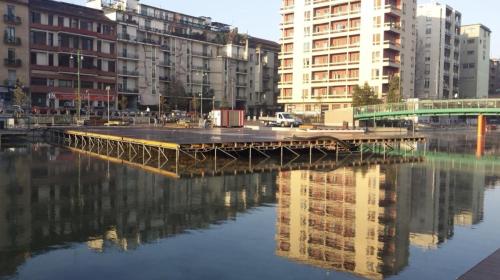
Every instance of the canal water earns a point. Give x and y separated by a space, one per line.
65 215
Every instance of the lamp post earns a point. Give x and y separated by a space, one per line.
108 88
201 93
159 105
88 102
79 59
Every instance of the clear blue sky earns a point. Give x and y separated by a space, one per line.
260 18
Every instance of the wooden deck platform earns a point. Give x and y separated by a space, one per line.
488 269
160 148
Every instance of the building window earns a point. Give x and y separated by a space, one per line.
38 81
11 11
427 83
470 52
12 77
10 33
65 83
11 54
427 69
36 17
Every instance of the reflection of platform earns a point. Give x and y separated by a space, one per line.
488 269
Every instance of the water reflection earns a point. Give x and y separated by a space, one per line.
359 220
364 220
50 197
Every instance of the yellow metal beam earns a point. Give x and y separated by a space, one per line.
164 145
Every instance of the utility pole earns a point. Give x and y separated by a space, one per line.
88 102
108 88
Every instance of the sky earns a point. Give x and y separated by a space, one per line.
260 18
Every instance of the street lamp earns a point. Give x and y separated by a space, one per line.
201 93
88 102
79 59
108 88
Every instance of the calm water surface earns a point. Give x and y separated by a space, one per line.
68 216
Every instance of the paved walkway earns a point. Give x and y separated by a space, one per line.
488 269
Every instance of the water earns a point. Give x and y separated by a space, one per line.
68 216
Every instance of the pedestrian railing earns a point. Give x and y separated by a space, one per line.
429 107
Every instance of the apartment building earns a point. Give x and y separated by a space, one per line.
15 46
72 55
494 88
348 220
475 61
165 54
438 52
328 47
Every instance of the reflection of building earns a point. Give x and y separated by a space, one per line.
431 222
469 196
442 197
346 220
59 197
15 214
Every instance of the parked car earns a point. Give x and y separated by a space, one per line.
15 110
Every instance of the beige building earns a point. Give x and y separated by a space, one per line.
181 57
475 61
15 48
349 220
438 51
329 47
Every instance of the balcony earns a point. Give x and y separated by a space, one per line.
200 68
392 9
165 79
10 62
241 71
12 19
392 26
166 64
201 54
129 56
13 41
127 90
391 62
165 48
392 44
128 73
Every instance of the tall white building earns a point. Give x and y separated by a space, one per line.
475 61
161 51
330 46
438 52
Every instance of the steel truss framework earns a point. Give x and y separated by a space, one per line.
172 159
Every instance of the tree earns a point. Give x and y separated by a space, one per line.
123 102
176 95
364 96
394 94
19 96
